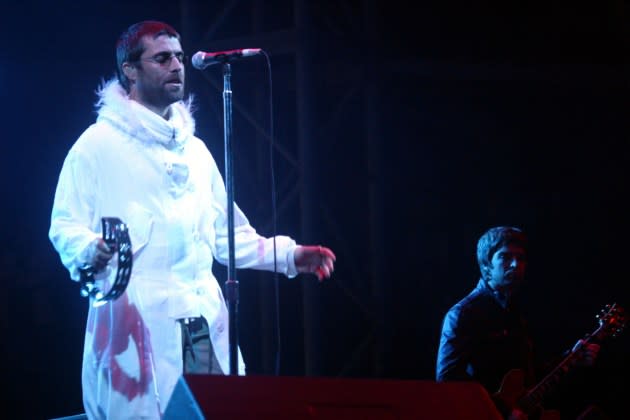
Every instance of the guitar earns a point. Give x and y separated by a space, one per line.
512 392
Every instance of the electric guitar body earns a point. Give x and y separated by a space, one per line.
512 389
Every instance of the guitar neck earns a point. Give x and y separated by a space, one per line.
612 321
535 396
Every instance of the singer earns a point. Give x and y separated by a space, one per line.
141 161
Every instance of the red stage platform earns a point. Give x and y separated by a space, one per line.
262 397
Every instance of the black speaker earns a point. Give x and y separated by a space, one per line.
183 404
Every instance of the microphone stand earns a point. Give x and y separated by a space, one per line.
231 282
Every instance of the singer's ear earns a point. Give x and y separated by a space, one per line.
130 71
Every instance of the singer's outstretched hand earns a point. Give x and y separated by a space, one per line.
318 260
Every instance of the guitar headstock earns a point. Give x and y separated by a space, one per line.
612 321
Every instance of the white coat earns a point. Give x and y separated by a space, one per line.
164 184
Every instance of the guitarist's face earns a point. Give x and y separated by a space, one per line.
507 268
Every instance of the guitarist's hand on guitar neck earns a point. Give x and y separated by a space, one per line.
586 352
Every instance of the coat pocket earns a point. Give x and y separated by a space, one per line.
140 223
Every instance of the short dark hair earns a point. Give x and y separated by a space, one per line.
130 47
494 239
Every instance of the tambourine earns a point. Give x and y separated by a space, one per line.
116 236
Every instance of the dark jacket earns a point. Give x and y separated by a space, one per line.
483 337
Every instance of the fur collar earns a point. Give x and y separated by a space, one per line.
115 107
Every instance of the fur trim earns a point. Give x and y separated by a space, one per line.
112 98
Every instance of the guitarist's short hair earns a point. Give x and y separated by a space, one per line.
495 238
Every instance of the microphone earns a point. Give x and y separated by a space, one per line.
201 59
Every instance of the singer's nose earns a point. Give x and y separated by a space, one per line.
176 62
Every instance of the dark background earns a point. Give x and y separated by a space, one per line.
401 136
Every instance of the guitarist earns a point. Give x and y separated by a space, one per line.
484 335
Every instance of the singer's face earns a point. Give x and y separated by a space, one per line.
160 74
